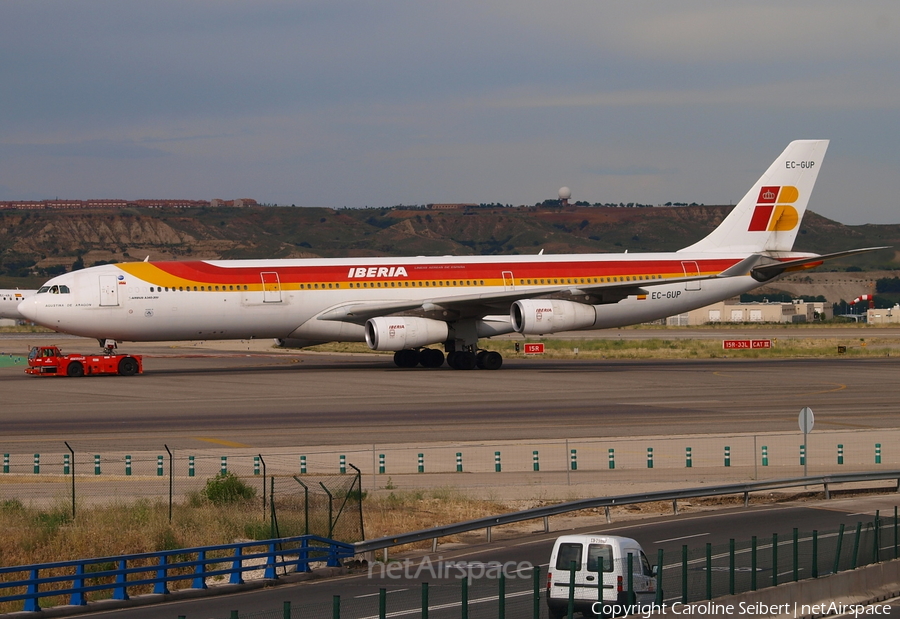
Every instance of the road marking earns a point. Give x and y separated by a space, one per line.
218 441
369 595
675 539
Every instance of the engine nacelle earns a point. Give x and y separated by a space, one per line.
539 316
402 332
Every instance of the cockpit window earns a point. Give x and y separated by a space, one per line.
54 289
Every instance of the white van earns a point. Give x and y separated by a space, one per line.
587 551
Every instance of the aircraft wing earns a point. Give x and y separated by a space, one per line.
491 303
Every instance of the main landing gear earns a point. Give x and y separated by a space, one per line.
458 360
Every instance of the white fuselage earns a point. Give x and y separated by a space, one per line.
285 298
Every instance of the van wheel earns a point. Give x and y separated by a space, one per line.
75 369
128 366
557 612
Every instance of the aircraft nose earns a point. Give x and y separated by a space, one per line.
29 309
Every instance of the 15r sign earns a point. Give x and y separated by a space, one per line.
534 349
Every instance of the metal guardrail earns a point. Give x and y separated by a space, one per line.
624 499
159 569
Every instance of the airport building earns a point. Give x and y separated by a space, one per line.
883 316
733 311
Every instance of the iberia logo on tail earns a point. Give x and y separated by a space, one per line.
774 210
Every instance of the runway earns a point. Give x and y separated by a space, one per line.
192 395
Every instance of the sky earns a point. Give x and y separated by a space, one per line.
338 103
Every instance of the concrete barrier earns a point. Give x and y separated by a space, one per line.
805 599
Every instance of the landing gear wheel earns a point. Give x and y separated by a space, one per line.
431 358
75 369
460 360
489 360
128 366
406 358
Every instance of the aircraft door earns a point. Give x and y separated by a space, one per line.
109 291
508 282
691 269
271 287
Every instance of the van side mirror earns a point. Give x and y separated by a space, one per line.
653 569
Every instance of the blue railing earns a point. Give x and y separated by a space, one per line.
160 569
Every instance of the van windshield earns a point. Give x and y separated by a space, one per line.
598 552
568 552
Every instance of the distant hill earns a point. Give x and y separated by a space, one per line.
42 243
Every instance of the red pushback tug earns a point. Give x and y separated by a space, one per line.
50 361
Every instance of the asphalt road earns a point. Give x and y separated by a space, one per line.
359 591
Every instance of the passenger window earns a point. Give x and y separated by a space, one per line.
596 552
64 290
568 553
645 564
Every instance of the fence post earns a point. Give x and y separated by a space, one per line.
649 457
303 465
571 607
336 607
840 453
815 554
659 578
688 457
731 566
877 453
501 595
753 563
120 591
421 465
464 599
127 464
774 559
837 552
496 461
190 466
162 586
37 464
765 455
536 595
381 467
855 557
796 554
343 464
459 468
708 570
536 463
684 574
727 455
382 603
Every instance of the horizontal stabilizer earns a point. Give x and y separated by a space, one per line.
766 272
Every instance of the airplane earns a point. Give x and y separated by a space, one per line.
409 305
9 302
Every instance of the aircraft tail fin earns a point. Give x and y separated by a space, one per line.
768 217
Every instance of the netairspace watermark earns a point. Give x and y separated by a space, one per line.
469 570
700 609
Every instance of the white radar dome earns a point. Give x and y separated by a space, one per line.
565 193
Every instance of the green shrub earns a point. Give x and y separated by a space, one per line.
227 488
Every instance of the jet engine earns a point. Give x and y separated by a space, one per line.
402 332
539 316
